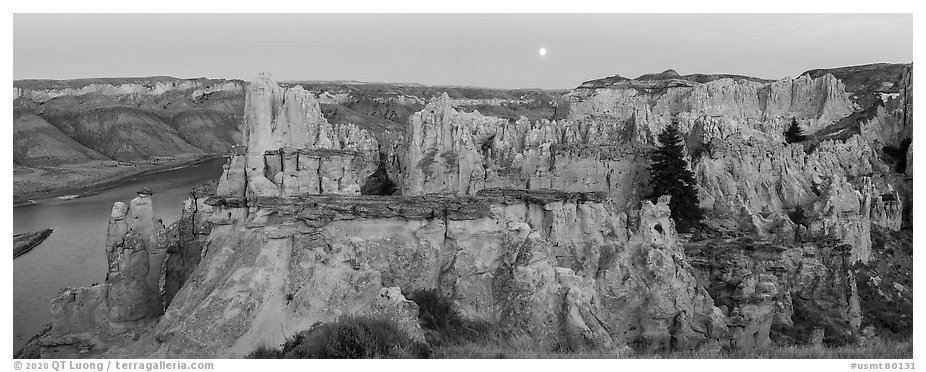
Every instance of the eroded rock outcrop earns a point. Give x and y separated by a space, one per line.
781 290
287 241
292 150
136 247
458 152
773 178
187 240
634 111
512 258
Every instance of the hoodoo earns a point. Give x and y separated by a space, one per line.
540 228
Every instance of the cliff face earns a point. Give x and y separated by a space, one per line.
512 258
452 151
715 109
292 150
782 291
130 297
733 131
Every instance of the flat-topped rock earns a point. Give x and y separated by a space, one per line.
446 206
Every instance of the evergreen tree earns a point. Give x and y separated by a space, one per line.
794 134
670 176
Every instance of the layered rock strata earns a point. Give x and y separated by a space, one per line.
287 242
292 150
512 258
188 238
716 109
136 247
781 290
42 91
462 153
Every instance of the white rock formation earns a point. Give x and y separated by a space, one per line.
462 153
292 150
136 249
716 109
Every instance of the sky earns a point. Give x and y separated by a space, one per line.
485 50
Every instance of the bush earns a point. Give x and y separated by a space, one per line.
899 154
350 337
798 216
435 311
442 323
265 352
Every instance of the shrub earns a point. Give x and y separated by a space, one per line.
899 154
798 216
435 311
265 352
350 337
442 323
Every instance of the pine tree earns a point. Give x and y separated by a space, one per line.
794 134
670 176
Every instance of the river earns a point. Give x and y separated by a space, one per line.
74 255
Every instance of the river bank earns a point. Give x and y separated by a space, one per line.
31 184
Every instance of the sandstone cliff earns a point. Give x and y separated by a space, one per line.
130 298
292 150
715 109
458 152
512 258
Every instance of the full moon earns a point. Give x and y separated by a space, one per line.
542 51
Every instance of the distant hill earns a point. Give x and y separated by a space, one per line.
666 79
876 77
36 142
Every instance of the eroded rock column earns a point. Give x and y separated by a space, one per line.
136 250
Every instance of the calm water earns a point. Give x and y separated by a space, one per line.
74 255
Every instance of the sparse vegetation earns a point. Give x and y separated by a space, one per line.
347 338
876 349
